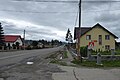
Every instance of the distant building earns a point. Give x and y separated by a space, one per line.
11 40
40 45
28 42
97 36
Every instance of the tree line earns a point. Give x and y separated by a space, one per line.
46 42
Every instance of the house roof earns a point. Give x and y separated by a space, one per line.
84 30
11 38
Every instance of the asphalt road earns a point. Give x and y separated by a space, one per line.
7 58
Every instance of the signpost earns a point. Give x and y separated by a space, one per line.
90 47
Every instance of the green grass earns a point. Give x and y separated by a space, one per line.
93 63
115 63
102 53
117 52
65 54
55 61
106 53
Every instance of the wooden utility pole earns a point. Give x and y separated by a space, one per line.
79 33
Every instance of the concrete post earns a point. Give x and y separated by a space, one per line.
89 54
99 59
112 54
8 48
2 47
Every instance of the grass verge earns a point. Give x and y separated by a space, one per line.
65 54
55 58
55 61
93 64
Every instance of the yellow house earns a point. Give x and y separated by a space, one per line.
96 37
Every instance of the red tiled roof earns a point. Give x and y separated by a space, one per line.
11 38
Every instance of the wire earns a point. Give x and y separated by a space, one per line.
32 11
48 1
76 19
56 11
101 1
86 1
100 10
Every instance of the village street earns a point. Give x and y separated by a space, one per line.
13 66
14 63
8 58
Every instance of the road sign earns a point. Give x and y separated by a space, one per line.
91 45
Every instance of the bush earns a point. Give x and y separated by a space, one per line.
28 48
83 51
102 52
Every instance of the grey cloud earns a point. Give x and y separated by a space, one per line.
58 20
108 17
10 28
110 21
41 32
97 6
117 32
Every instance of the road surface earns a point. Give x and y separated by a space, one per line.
42 70
7 58
39 70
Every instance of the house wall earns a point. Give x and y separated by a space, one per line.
95 32
19 40
11 43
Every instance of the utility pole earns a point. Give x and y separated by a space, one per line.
79 33
24 40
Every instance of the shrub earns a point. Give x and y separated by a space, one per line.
83 51
28 47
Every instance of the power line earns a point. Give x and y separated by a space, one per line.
32 11
54 1
101 10
48 1
76 19
101 1
37 12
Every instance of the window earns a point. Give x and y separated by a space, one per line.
100 39
107 37
88 37
107 47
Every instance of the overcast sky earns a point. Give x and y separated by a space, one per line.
47 20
